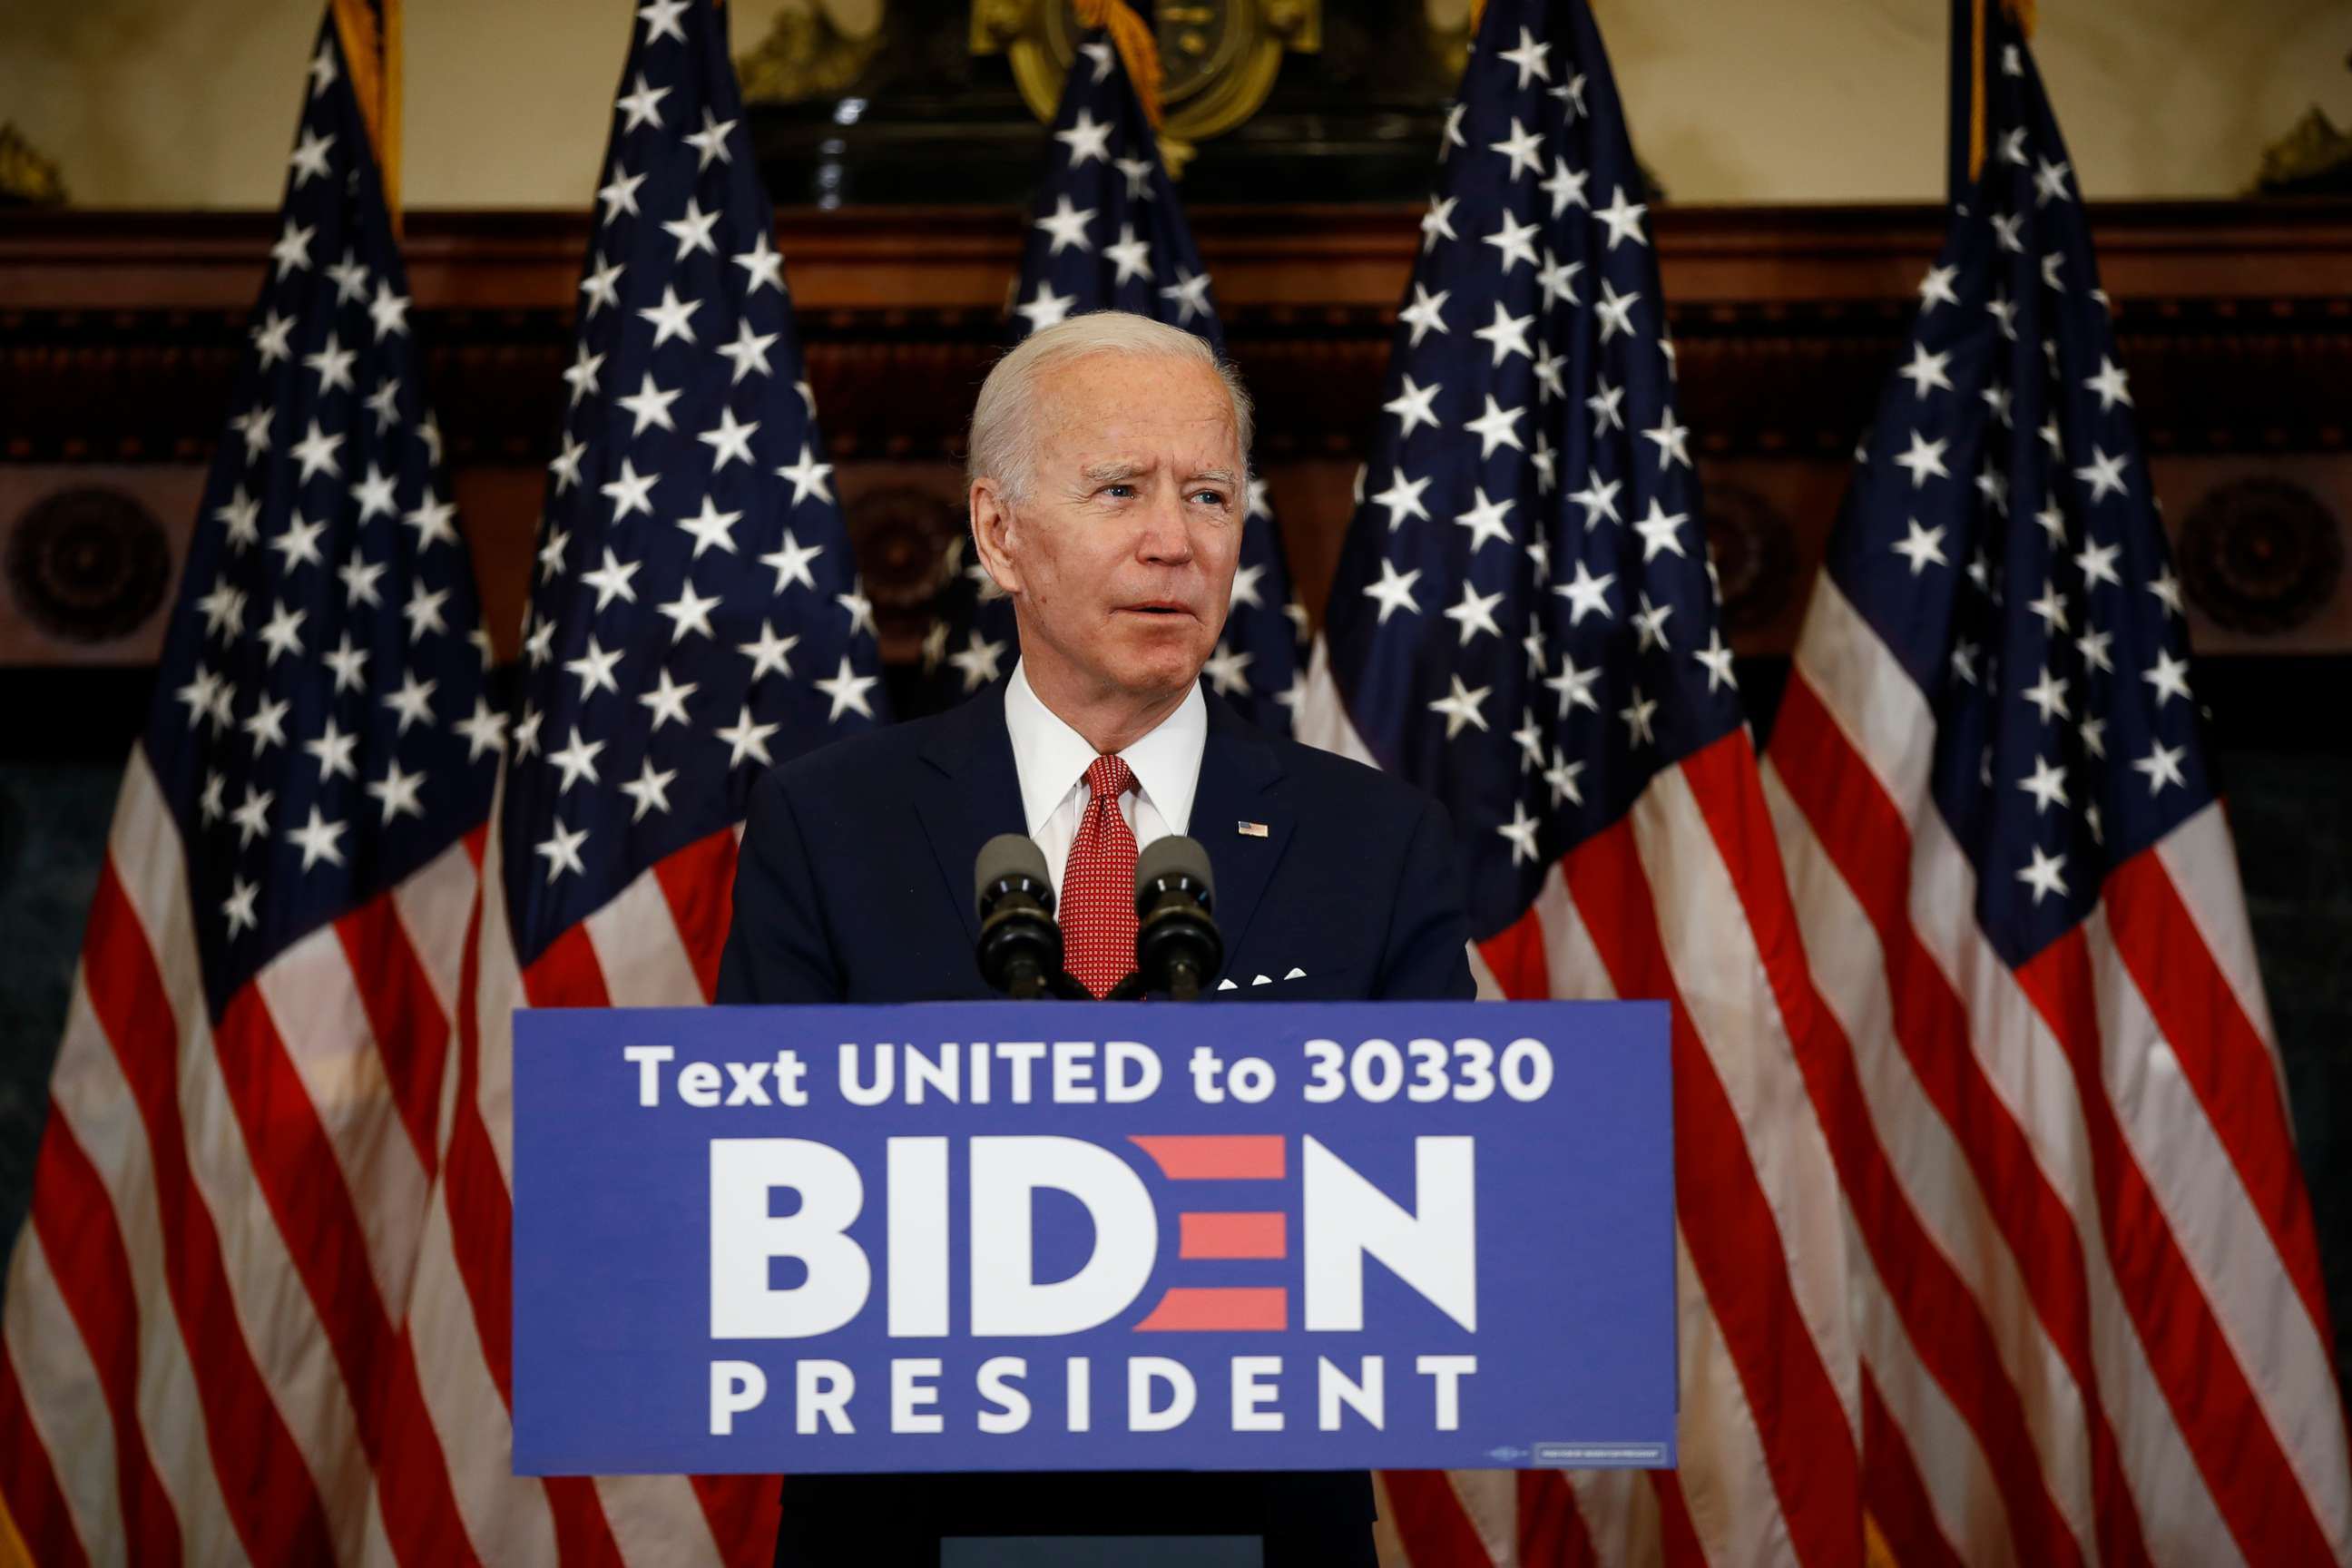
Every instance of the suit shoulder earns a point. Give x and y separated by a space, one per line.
1350 785
854 761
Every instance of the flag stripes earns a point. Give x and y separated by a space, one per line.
2144 1291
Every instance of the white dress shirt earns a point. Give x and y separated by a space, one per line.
1052 759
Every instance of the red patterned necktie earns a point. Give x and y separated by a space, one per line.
1099 883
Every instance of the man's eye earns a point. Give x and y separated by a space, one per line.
1121 491
1214 498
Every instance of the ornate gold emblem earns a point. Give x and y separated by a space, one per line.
1219 58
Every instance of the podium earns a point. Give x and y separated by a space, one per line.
973 1237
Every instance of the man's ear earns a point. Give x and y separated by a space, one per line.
994 532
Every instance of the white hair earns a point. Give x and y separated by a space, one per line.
1002 443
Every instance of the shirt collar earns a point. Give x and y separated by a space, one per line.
1050 757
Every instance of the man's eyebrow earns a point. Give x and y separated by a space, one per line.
1110 473
1224 476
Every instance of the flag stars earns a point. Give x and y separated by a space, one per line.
1437 223
422 611
252 816
1615 310
1403 499
660 18
1189 294
2111 385
332 751
1716 659
561 850
434 520
283 634
1935 288
808 476
769 653
730 440
1923 547
1565 187
1658 530
978 662
1531 58
315 454
1087 139
318 839
666 701
2169 677
1650 625
1393 592
1415 406
1585 595
1425 314
1065 226
1460 708
581 373
1623 219
1926 371
1638 715
631 491
238 908
575 762
747 741
692 229
1226 670
763 265
2162 766
649 789
619 195
1574 686
1672 440
322 70
791 563
299 544
388 313
1524 148
2047 784
1506 334
2044 874
310 158
1498 427
398 792
484 731
847 688
292 251
1475 614
710 143
1046 308
1521 831
2104 475
1560 778
602 288
267 724
611 580
1925 458
2050 181
673 318
595 669
2047 696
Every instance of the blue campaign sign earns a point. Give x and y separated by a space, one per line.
1029 1236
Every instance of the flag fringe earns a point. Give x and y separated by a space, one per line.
1137 49
371 36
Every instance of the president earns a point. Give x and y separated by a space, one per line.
1109 488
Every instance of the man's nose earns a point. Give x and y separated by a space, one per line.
1166 539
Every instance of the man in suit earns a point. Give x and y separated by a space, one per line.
1109 488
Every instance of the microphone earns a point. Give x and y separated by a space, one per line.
1177 946
1019 948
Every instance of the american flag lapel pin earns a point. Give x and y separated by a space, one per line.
1252 829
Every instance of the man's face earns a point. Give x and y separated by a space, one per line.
1120 560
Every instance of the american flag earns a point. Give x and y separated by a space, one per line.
1524 623
695 618
202 1357
2088 1297
1111 234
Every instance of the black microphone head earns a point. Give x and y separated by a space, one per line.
1013 859
1171 864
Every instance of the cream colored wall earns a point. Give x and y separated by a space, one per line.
192 102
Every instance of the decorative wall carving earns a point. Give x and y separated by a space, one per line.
2261 555
87 564
119 335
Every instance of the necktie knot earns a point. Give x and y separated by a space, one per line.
1108 777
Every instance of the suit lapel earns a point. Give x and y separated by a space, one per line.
1239 771
971 795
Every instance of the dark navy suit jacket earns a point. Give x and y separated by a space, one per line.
854 885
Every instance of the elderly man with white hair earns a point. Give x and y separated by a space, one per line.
1109 487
